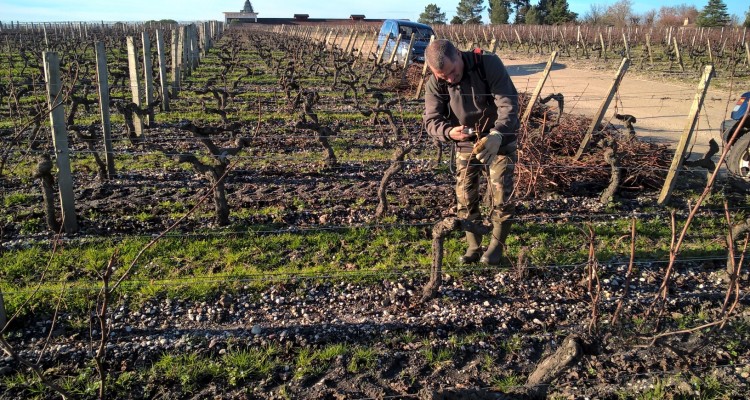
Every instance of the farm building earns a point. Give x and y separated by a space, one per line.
250 16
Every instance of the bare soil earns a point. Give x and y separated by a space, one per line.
661 101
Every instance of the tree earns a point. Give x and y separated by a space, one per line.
499 11
456 20
520 7
555 12
470 11
747 19
714 14
649 17
676 16
432 15
595 15
533 16
618 14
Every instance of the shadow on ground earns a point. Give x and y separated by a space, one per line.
531 69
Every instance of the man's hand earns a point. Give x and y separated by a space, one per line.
457 134
486 149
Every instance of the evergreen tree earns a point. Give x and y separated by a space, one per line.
499 11
714 14
432 15
533 16
456 20
520 7
470 11
747 19
557 12
554 12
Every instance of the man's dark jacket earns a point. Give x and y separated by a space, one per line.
468 102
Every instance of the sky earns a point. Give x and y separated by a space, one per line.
202 10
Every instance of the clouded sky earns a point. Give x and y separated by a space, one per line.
194 10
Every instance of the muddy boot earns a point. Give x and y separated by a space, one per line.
474 250
494 253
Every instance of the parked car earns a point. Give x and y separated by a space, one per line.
738 157
395 27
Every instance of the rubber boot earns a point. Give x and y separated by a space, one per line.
494 253
473 251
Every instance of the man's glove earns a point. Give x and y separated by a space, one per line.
486 149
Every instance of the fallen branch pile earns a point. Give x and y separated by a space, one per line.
546 157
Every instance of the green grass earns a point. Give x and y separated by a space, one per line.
250 363
507 382
437 356
363 359
196 267
14 199
190 370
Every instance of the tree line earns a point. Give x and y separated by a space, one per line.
555 12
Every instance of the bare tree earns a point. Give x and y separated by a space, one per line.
595 14
619 13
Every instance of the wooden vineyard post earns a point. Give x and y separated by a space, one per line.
604 47
424 73
164 90
185 39
326 37
349 41
627 47
747 52
538 89
520 43
373 45
687 134
352 43
395 49
408 53
710 53
359 49
60 140
135 84
194 50
175 62
335 38
148 77
493 46
650 52
382 49
597 119
677 54
103 77
205 40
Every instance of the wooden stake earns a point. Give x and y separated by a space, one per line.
382 49
687 134
424 73
162 70
135 84
60 140
597 119
395 49
148 76
103 77
538 89
677 54
175 62
408 52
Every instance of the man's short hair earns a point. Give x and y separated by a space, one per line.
436 53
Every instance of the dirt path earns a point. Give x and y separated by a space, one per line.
661 107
